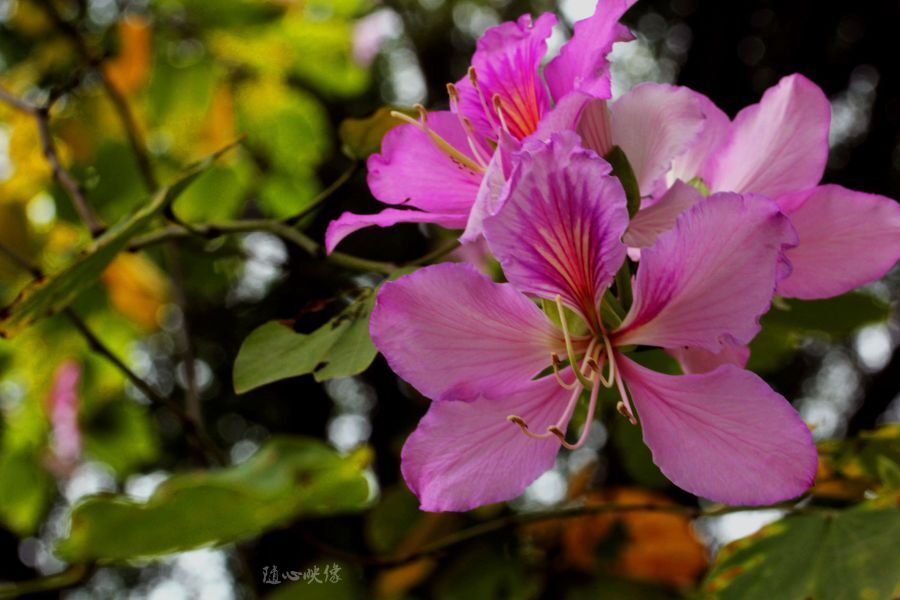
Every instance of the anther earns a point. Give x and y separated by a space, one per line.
524 427
620 406
498 107
557 367
473 77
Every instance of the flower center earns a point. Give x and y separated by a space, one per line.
588 374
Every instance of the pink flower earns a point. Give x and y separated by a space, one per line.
777 148
477 347
439 164
63 407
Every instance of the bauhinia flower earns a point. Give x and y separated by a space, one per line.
481 350
436 166
779 148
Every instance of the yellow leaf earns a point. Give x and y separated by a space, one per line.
130 69
137 288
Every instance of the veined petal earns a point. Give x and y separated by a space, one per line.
582 63
707 281
649 222
846 239
490 194
559 229
348 223
698 360
506 62
724 435
716 126
653 124
412 170
454 334
777 146
466 454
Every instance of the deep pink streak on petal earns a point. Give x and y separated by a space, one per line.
582 63
716 126
454 334
724 435
559 229
506 62
654 124
412 170
846 239
777 146
466 454
707 281
649 222
698 360
348 223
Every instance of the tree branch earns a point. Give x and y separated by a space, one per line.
41 115
66 579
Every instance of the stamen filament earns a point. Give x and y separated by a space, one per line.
443 144
498 107
554 359
484 105
466 124
588 420
570 350
524 427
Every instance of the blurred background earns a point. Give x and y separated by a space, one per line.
196 74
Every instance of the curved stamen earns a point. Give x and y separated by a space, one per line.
441 143
473 77
588 420
466 124
554 359
498 107
524 427
570 350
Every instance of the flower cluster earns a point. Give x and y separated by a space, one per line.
720 216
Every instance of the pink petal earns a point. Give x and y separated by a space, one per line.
490 194
412 170
594 127
707 281
564 116
847 239
653 124
777 146
558 231
725 435
454 334
649 222
698 360
506 62
466 454
582 63
716 126
347 223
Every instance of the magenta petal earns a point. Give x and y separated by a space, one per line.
506 62
454 334
347 223
777 146
725 435
582 63
490 194
466 454
649 222
707 281
559 228
716 126
653 124
412 170
698 360
846 239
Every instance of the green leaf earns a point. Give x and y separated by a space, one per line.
852 554
44 297
621 168
121 434
486 573
25 491
339 348
362 137
287 479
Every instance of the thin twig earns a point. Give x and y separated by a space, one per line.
203 441
119 102
321 197
509 521
66 579
41 116
22 262
291 234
